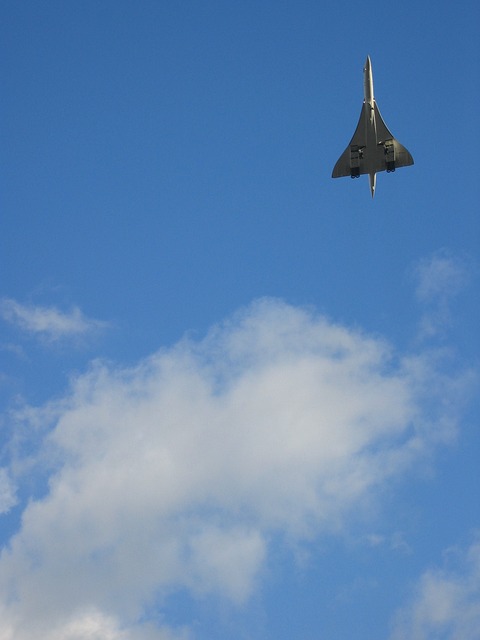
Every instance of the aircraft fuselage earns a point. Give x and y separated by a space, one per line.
370 125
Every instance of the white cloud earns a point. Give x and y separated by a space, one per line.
48 322
446 603
7 492
175 473
87 624
439 279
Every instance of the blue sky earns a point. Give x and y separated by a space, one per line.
239 399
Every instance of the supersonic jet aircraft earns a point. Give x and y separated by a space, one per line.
372 148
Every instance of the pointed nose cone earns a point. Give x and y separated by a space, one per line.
368 64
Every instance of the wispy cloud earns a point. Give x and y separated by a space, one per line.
440 278
175 473
446 603
49 323
395 541
7 492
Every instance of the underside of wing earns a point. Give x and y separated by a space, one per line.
390 154
351 162
383 132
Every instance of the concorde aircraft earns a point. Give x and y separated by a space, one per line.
372 148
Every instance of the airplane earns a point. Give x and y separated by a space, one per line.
372 148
